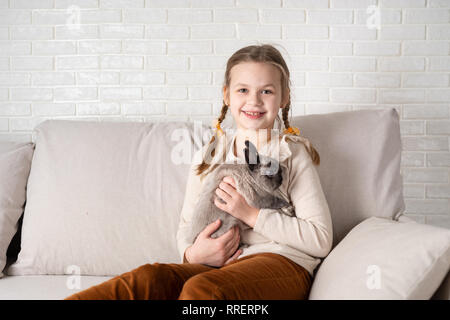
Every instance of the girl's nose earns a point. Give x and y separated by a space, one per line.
254 99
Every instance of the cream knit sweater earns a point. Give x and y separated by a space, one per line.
304 238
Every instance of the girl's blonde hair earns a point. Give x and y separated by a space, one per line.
258 53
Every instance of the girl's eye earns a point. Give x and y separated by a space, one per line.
268 91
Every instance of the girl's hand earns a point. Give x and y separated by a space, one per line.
235 204
214 252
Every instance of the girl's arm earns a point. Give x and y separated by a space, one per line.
205 250
192 193
310 230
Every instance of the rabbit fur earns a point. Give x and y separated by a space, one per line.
256 181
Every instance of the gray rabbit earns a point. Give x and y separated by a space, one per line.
256 181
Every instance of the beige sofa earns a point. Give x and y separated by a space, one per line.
101 198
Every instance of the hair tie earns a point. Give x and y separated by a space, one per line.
218 128
292 130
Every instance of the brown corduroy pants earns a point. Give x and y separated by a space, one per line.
260 276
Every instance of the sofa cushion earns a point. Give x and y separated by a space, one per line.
385 259
360 153
46 287
104 196
15 162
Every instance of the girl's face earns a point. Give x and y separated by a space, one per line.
254 87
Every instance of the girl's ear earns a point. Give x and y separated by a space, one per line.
225 95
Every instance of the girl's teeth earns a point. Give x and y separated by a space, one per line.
253 113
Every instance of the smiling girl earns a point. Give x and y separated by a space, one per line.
279 253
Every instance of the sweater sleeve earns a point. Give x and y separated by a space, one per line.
192 193
310 230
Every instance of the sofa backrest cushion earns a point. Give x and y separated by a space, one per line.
360 155
104 197
15 162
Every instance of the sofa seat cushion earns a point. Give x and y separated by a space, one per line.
45 287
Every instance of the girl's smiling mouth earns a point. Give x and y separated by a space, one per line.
253 115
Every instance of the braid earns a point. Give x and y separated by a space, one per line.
285 112
204 166
223 113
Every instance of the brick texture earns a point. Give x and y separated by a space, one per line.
140 60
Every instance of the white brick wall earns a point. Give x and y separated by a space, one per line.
160 60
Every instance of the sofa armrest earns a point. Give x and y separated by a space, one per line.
443 292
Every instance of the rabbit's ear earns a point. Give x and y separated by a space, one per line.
251 155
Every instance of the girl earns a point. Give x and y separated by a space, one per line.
279 252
